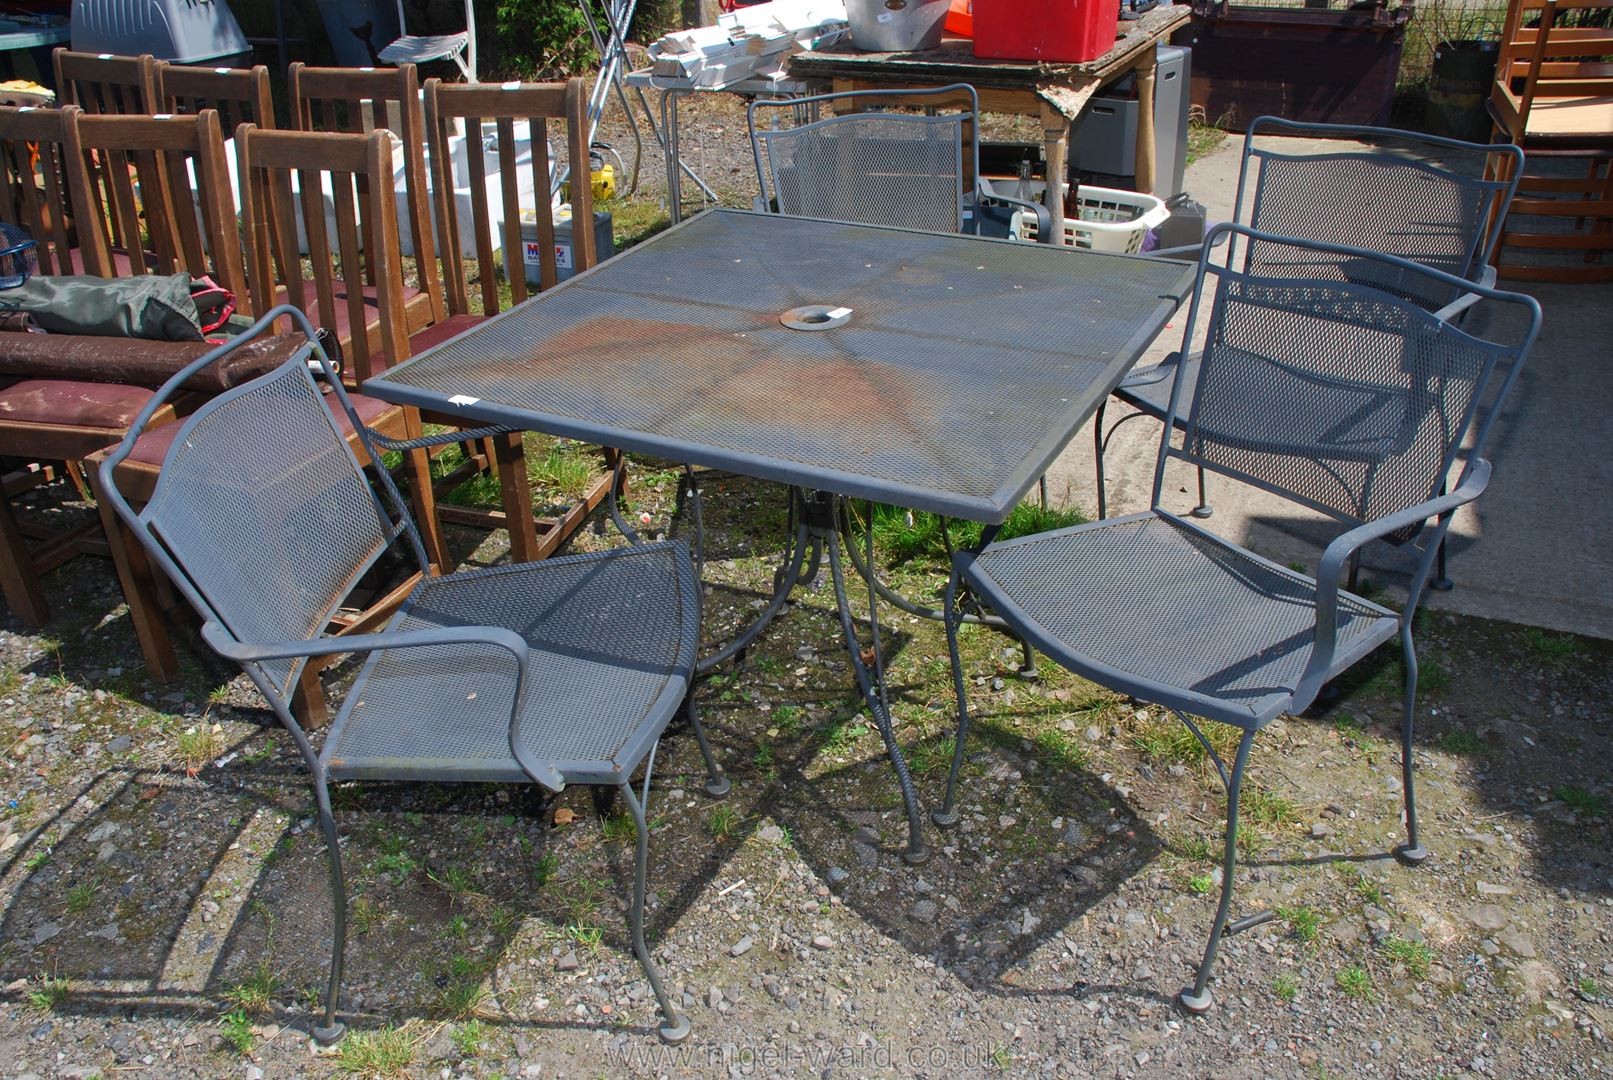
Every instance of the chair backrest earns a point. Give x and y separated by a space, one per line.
1337 394
364 246
261 513
241 95
870 164
1558 49
37 196
169 175
519 110
102 83
1420 197
364 99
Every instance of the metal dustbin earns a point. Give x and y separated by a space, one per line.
565 265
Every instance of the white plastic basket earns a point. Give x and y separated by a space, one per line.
1111 220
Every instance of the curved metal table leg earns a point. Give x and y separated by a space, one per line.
796 556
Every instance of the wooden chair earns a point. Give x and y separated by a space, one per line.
364 243
1553 97
534 105
36 195
99 83
356 100
148 166
241 95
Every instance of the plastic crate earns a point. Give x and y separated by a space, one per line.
1111 220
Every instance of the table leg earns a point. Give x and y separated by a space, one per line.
1146 162
872 684
674 163
1056 145
783 584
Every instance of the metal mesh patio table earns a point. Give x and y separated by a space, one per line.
932 371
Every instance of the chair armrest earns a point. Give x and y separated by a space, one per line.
226 644
1187 252
1044 221
1450 311
457 436
1155 373
1344 545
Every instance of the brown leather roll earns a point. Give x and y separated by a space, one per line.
134 362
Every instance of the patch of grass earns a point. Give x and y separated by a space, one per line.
1463 742
839 736
469 1037
460 993
1416 956
931 755
1355 982
1196 848
903 535
1304 923
1202 136
1552 648
619 828
1199 884
199 744
395 867
1267 808
1579 800
254 994
37 859
589 937
81 896
385 1054
634 220
1285 986
787 718
236 1028
47 991
364 915
1588 987
763 758
1060 749
723 821
1368 889
1000 1058
1167 741
543 870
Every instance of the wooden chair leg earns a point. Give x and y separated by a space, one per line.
308 699
17 578
139 590
421 495
510 454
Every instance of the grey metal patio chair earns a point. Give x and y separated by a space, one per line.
1417 196
871 165
1342 397
565 671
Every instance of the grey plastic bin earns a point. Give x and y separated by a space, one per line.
184 31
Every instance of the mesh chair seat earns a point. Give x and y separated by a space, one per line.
1153 606
612 638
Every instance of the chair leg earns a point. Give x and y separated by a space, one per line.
1203 509
17 578
947 816
1198 999
1442 581
1413 852
717 785
676 1027
1097 458
332 1029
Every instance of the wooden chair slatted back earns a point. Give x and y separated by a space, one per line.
36 182
101 83
149 168
355 100
241 95
535 104
365 241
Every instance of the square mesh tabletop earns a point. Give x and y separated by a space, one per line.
936 372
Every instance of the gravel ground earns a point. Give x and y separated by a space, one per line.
164 909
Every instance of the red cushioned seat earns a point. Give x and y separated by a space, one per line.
152 447
70 403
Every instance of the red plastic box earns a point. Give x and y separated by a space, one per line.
1053 31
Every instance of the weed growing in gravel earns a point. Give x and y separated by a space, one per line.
787 718
1368 889
469 1037
81 896
37 859
1588 987
723 821
619 828
255 993
543 870
1196 848
1285 986
589 937
1268 808
841 734
1553 648
48 991
1060 749
199 744
1303 922
1000 1058
385 1053
1355 982
1413 954
364 915
395 867
930 755
1199 884
460 993
1464 742
763 758
236 1028
903 535
1579 800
